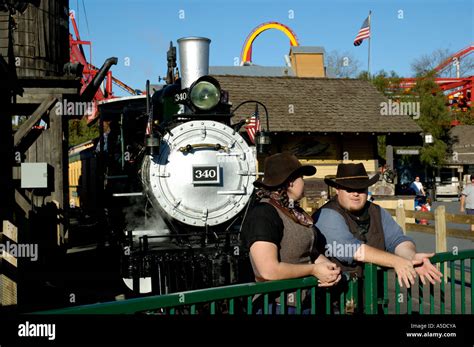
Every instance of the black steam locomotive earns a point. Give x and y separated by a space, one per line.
175 176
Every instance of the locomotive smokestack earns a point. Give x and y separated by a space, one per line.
193 58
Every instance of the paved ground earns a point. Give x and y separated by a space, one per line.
426 243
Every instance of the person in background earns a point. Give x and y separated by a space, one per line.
467 200
420 196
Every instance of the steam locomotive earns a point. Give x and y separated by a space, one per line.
175 202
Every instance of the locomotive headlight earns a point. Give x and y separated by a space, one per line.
205 93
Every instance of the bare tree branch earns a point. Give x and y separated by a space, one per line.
342 65
428 62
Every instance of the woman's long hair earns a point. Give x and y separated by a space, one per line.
279 195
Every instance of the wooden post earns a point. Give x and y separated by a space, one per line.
440 234
400 215
8 266
440 229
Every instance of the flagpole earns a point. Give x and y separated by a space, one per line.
370 35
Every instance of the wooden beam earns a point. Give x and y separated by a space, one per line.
37 96
461 219
413 214
421 228
8 267
8 291
10 231
24 204
450 232
25 129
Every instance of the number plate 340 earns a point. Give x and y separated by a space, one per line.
206 174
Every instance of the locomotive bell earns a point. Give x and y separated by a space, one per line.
193 59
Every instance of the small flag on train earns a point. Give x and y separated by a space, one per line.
253 126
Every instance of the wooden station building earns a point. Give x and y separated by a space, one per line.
323 121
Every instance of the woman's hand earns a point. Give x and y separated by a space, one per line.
327 273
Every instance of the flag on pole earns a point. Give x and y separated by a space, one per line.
253 126
148 128
364 32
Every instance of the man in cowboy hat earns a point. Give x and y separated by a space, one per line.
279 234
357 231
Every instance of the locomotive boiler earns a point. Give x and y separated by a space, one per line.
193 182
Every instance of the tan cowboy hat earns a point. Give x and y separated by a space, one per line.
351 176
281 166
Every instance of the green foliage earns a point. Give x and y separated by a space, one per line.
435 119
387 84
465 118
363 75
80 132
382 146
434 154
16 123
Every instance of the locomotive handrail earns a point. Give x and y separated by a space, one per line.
216 146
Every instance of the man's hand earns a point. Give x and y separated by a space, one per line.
405 271
427 270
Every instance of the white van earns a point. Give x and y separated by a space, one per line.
447 189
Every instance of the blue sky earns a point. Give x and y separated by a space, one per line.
140 30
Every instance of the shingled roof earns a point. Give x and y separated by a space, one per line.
462 138
319 104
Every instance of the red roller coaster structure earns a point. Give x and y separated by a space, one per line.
77 55
458 87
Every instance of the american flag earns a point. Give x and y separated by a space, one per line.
364 32
148 128
253 126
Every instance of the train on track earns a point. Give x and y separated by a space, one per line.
169 180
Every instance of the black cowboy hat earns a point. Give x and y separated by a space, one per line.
351 176
281 166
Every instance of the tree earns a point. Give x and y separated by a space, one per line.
363 75
342 65
80 132
428 62
17 121
387 83
435 119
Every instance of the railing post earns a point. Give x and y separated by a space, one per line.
400 215
440 234
370 288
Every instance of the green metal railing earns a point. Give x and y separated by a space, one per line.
454 270
225 298
374 292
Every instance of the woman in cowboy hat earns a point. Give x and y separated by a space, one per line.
366 232
279 234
